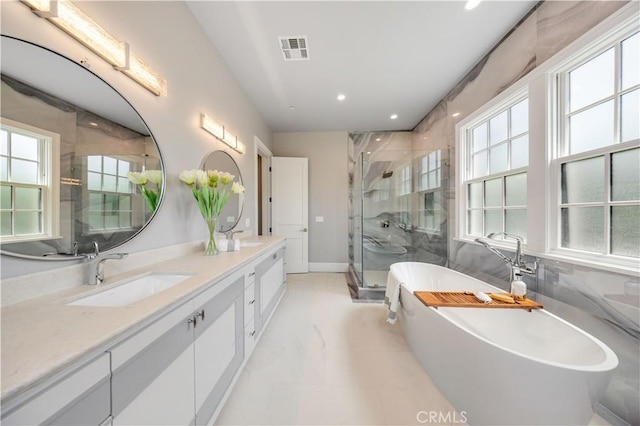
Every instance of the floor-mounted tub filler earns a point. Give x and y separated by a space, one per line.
500 366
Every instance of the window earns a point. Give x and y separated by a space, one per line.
404 181
110 199
496 160
28 196
598 158
430 210
574 191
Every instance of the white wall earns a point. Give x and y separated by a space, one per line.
168 37
328 190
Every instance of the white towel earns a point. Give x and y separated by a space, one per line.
392 298
482 297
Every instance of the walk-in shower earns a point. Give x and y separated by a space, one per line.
398 207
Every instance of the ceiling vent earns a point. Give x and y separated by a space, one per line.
294 48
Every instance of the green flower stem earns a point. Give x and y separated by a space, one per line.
151 197
212 247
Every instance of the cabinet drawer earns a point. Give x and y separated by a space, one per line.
249 339
81 397
249 303
249 276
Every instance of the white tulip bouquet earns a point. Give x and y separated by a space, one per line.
212 190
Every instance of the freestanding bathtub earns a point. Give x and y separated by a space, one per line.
501 366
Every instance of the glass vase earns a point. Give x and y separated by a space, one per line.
212 247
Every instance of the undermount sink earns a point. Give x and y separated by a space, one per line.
251 243
132 291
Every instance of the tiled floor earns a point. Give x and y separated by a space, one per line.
324 360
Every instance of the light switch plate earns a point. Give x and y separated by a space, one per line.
319 218
247 222
231 219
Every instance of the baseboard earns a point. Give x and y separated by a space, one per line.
328 267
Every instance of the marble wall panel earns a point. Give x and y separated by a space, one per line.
561 22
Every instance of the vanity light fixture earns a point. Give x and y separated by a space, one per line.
66 16
145 76
218 130
455 114
211 126
230 139
341 97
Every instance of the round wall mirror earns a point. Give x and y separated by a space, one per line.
69 143
231 212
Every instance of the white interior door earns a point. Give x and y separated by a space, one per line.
290 209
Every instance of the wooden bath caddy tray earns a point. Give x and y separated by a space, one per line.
450 299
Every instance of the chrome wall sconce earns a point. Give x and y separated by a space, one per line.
220 132
66 16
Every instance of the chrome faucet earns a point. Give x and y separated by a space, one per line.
95 264
517 265
230 233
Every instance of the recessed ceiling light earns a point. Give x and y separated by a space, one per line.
455 114
292 107
393 116
472 4
378 139
341 97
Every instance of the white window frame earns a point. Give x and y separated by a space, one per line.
463 170
404 180
600 39
102 192
431 188
542 179
50 159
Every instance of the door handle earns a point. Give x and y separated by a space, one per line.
304 230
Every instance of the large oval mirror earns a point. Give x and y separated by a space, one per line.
231 212
69 143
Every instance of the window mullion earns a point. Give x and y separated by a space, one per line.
617 84
607 203
564 128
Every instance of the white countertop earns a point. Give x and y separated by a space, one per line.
42 337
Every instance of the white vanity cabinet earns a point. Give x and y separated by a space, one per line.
219 346
174 368
177 370
80 397
269 284
250 334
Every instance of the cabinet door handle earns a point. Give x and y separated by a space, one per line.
252 333
193 321
252 274
252 302
200 314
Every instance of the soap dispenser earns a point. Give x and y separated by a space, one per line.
518 287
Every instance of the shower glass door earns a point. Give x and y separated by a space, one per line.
400 214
